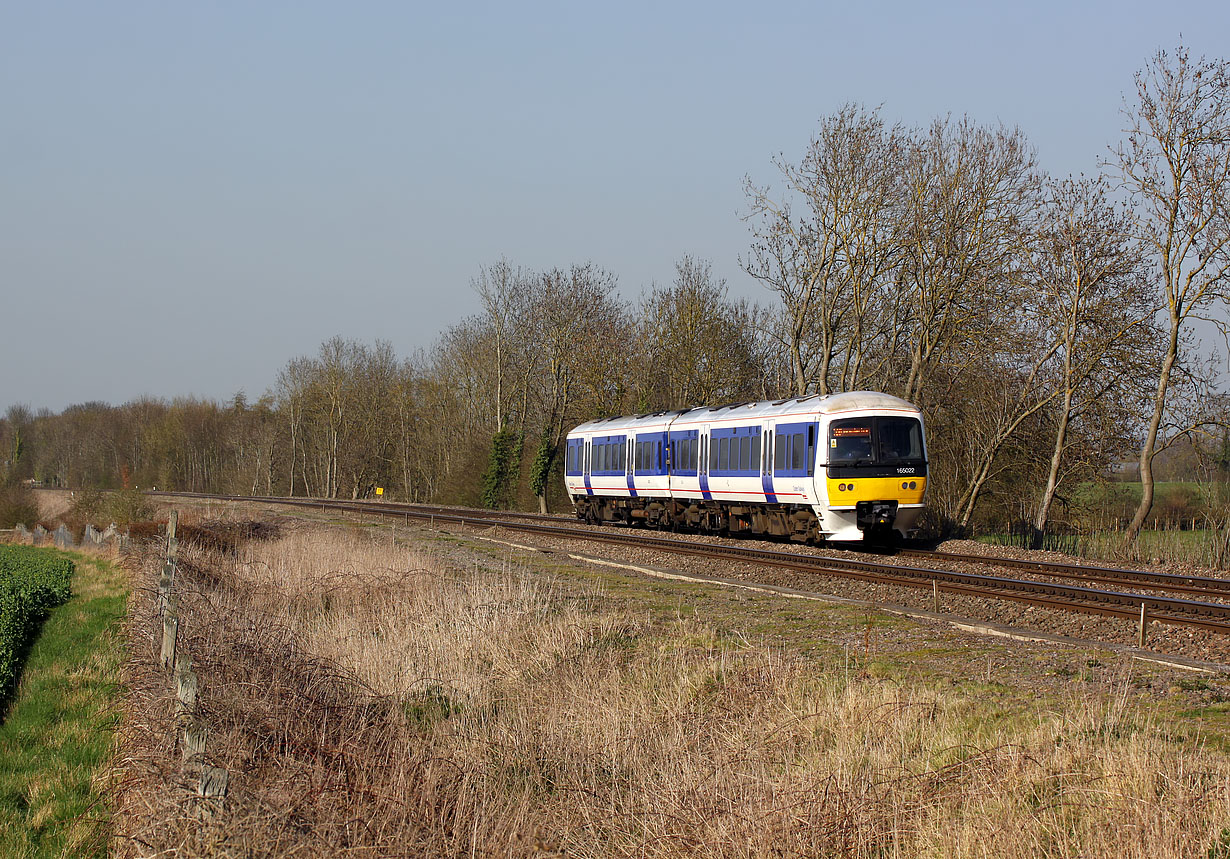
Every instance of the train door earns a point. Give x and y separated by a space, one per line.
766 463
589 490
702 463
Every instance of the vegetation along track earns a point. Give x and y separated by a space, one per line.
1208 616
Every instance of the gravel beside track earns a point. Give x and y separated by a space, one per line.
1162 638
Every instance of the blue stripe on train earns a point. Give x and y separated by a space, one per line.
766 481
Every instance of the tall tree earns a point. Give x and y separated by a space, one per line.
1176 164
700 346
824 243
572 311
505 294
1096 305
968 193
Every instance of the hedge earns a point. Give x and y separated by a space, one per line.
32 582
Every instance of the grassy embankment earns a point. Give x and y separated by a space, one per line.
56 736
370 698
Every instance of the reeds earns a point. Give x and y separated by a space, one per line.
372 699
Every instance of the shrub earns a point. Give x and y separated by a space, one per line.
102 508
32 582
17 504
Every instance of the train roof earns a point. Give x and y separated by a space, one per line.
815 405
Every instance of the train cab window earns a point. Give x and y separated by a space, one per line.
876 440
899 440
850 441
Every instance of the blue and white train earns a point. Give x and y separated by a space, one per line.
843 467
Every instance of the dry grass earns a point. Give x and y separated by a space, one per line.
372 700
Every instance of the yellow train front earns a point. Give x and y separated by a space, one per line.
872 474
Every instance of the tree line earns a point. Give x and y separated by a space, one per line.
1045 325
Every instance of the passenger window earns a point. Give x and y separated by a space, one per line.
779 455
745 454
797 451
756 463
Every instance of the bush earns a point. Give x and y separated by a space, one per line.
102 508
17 504
32 582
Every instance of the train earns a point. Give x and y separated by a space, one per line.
842 467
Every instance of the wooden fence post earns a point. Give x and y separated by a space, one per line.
185 684
214 782
172 541
170 632
194 742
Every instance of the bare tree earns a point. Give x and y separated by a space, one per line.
968 193
505 294
700 345
1176 164
1095 301
571 309
14 430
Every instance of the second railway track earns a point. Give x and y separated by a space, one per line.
1213 617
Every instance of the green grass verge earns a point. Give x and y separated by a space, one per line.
32 582
57 734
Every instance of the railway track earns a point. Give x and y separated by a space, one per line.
1177 611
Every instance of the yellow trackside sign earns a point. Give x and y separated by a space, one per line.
379 490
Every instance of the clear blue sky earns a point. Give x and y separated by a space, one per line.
191 194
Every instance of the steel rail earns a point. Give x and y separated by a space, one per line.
1213 617
1203 585
1151 580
